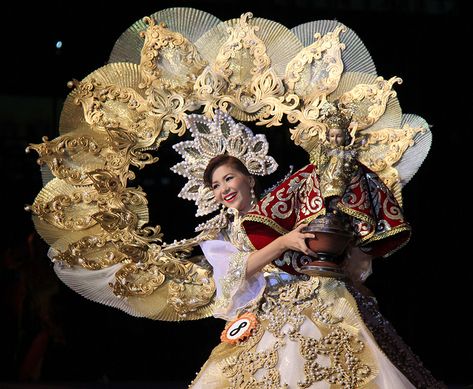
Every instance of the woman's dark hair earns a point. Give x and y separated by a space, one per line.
234 162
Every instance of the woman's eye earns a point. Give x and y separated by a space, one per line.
228 178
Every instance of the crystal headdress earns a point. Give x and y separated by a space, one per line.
161 70
222 135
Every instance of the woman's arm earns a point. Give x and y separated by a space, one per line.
294 240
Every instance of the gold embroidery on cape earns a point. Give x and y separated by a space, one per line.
292 200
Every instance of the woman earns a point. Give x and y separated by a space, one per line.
233 187
291 330
305 331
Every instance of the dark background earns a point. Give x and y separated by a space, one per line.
53 336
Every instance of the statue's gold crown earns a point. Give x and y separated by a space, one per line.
339 120
337 115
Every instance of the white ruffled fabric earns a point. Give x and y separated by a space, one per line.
93 284
221 255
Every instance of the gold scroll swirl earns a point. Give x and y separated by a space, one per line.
316 70
70 156
168 60
186 285
135 124
163 295
91 252
309 131
384 149
369 101
169 67
187 298
169 111
314 74
242 82
113 106
243 44
390 144
66 207
134 280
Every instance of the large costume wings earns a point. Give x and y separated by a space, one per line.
175 62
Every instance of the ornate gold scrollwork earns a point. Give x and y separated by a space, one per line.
168 60
91 253
395 141
370 100
121 112
61 153
309 131
317 69
386 148
242 82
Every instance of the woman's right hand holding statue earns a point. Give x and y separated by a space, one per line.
296 240
293 240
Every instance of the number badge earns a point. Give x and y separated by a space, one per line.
239 329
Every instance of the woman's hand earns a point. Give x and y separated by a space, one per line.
295 240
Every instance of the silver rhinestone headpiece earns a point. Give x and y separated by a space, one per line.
222 135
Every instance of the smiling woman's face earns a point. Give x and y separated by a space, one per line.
232 188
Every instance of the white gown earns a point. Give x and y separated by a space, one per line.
309 335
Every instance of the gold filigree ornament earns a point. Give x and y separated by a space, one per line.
161 70
244 77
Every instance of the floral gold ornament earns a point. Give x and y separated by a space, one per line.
243 78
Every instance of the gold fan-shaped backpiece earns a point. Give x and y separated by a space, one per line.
162 69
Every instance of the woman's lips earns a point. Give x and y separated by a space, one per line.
230 197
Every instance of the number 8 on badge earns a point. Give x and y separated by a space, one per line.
239 329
